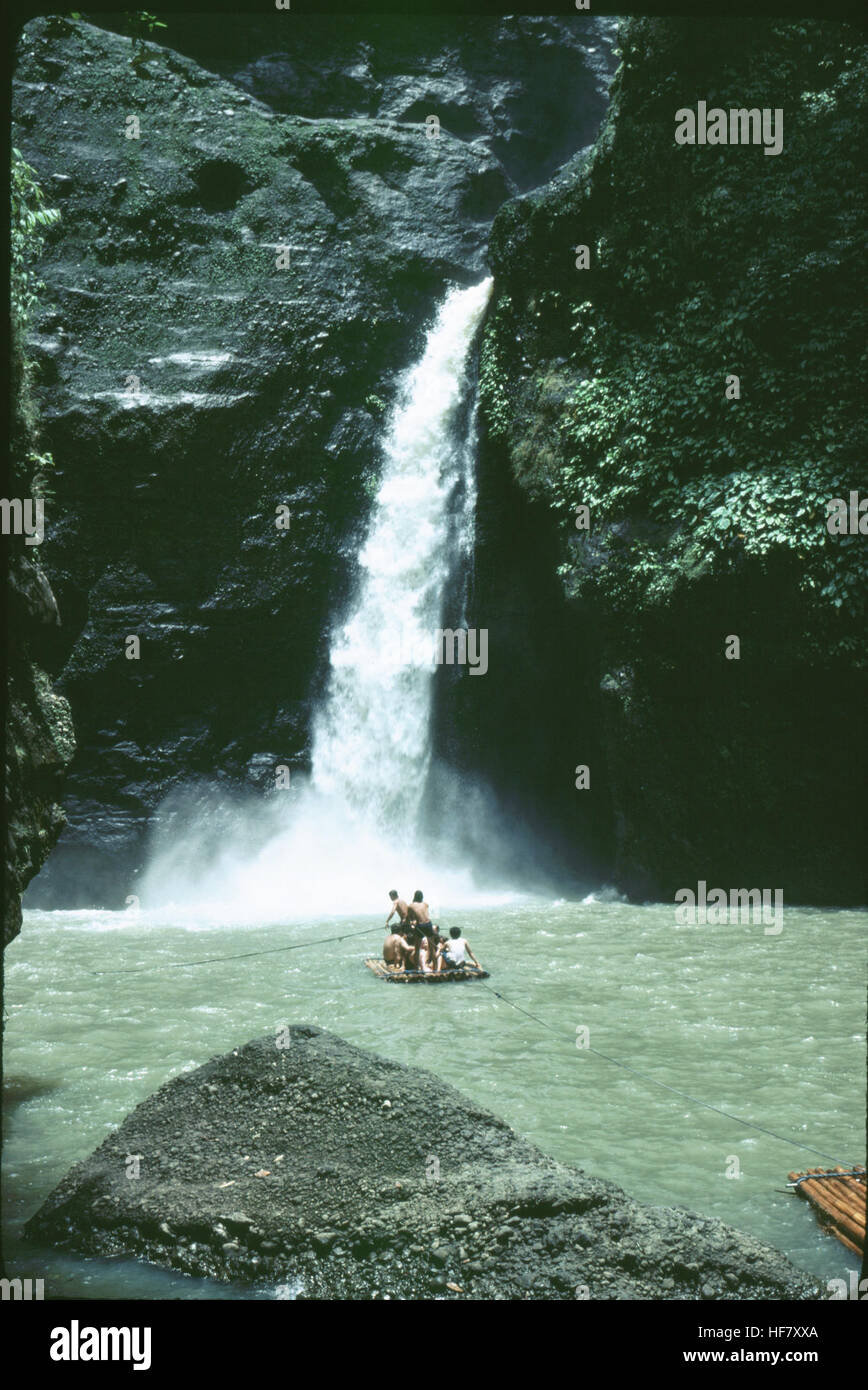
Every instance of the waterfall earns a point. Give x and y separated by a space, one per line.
371 743
338 843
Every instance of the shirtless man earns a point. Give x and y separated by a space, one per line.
417 911
396 951
419 918
399 906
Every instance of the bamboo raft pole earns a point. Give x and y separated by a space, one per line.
398 975
838 1198
839 1207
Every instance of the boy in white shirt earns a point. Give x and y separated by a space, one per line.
453 954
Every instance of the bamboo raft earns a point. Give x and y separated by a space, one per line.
838 1197
398 975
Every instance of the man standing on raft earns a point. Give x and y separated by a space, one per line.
419 920
418 912
396 949
399 906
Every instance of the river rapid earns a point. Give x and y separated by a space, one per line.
769 1028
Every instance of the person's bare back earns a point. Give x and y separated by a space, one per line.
399 906
395 950
417 911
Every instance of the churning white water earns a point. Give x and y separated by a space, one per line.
341 840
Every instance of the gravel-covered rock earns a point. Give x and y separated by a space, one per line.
278 1162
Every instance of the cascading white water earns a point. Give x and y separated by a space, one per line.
336 844
372 737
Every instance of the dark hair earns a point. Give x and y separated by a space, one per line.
455 932
418 896
393 892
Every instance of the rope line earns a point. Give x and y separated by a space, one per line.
349 936
245 955
663 1085
811 1177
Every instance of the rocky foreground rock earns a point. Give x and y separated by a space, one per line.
303 1161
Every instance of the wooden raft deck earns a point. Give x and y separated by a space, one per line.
838 1197
397 975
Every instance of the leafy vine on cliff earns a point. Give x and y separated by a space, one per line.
707 264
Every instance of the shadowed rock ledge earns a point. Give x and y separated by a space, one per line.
307 1162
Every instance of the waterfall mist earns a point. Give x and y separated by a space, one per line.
335 842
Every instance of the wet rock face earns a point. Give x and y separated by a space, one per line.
528 89
39 736
312 1165
189 385
715 769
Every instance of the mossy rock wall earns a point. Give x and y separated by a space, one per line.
605 387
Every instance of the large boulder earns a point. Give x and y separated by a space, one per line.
333 1173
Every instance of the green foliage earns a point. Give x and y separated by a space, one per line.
29 218
376 404
141 25
706 262
496 358
40 465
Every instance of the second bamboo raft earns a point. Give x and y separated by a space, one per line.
838 1197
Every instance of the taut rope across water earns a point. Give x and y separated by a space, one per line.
662 1084
625 1066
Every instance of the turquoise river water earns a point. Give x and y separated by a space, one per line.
770 1028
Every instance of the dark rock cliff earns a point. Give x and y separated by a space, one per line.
39 738
529 89
189 386
604 387
37 725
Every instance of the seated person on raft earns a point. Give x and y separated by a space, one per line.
412 949
398 950
452 955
